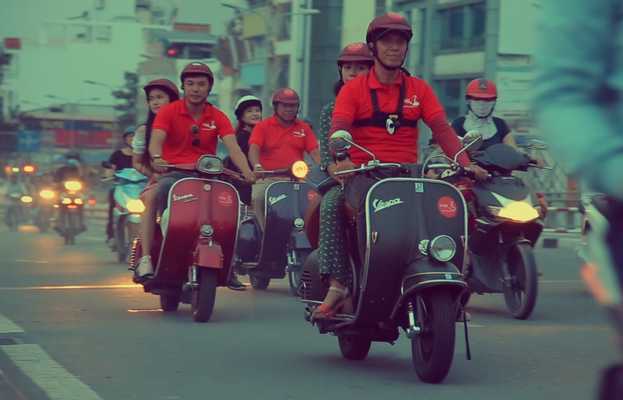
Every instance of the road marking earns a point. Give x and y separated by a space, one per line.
49 375
144 310
8 326
32 261
72 287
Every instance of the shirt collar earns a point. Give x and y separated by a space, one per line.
185 111
374 83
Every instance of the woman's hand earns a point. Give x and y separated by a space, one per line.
159 165
340 166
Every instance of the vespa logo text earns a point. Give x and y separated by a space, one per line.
184 197
275 200
379 204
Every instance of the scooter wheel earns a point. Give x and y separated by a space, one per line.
520 295
259 282
354 347
204 296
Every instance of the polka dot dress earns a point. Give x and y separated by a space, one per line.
332 245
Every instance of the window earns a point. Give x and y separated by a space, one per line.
451 94
462 27
258 47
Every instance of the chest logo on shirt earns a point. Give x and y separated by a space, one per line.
411 102
299 133
210 125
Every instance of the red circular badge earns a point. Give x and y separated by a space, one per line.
447 207
225 199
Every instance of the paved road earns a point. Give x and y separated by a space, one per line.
72 326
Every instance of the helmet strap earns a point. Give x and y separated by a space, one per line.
375 53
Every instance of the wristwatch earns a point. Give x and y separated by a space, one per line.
256 166
341 156
155 156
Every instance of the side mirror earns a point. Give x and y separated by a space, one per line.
340 141
210 165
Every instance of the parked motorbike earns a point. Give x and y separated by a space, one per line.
127 210
194 249
44 211
504 226
406 267
70 221
283 246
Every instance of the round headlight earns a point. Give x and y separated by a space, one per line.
300 169
442 248
299 223
207 230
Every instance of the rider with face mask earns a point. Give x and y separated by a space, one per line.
481 96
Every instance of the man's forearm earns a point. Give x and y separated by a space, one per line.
156 142
254 155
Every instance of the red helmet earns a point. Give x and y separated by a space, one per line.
481 89
163 84
356 52
387 23
286 95
197 68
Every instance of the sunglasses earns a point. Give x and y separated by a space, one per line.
195 131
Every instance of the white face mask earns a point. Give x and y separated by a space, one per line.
481 108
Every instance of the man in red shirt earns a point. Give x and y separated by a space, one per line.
277 142
381 110
186 129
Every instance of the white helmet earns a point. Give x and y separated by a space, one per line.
244 102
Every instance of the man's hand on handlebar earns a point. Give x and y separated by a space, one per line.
479 173
159 165
249 176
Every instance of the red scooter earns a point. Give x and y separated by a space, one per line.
193 250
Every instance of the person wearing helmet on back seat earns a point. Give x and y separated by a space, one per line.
381 110
277 142
183 131
481 96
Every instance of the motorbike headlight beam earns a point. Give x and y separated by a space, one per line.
73 186
518 211
300 169
135 206
26 199
47 194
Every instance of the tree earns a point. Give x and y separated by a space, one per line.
128 95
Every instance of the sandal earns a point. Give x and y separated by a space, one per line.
332 303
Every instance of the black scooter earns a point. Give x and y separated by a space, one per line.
283 246
406 271
504 226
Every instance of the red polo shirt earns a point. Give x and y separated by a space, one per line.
280 145
354 102
176 121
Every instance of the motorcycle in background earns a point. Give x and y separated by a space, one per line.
127 209
70 221
504 226
283 246
44 210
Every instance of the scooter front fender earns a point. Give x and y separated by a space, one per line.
424 274
209 254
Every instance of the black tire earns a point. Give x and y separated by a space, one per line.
204 296
295 273
259 282
521 294
354 347
71 227
432 350
169 302
120 239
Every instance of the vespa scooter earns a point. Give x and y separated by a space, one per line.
406 270
193 250
283 246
